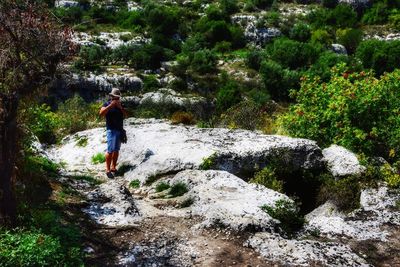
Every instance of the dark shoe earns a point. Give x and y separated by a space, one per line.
114 172
110 175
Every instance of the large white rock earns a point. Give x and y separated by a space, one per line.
111 40
341 161
66 3
363 224
165 95
223 198
252 33
291 252
158 147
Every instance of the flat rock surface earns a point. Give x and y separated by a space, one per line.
341 161
157 147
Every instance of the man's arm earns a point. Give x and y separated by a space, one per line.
124 112
104 110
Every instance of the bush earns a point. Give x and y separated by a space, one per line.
148 56
254 58
208 162
350 38
300 32
90 58
277 80
321 36
99 158
134 183
29 248
182 117
228 95
43 123
75 114
203 62
322 67
287 212
381 56
267 177
244 115
378 14
292 54
330 3
262 3
344 193
391 176
150 83
394 20
162 186
354 110
178 189
343 16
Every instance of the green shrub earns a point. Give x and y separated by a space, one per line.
29 248
90 58
162 186
75 114
343 16
322 67
98 158
377 14
262 3
287 212
350 38
208 162
268 178
147 56
321 36
330 3
390 176
178 189
43 123
228 95
381 56
81 141
203 62
344 193
187 203
150 83
354 110
300 32
254 59
394 20
277 80
292 54
134 183
244 115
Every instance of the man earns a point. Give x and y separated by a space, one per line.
114 113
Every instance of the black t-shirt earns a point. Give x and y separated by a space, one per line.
114 118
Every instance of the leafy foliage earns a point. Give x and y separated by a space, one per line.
178 189
267 177
355 110
98 158
287 212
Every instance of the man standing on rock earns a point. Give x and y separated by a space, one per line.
114 113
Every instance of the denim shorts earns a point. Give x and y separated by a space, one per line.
113 141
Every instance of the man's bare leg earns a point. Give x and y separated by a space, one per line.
108 161
114 160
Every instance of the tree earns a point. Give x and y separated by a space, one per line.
32 46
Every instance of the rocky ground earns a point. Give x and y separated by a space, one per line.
218 219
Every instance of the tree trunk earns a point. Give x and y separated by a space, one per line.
8 138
